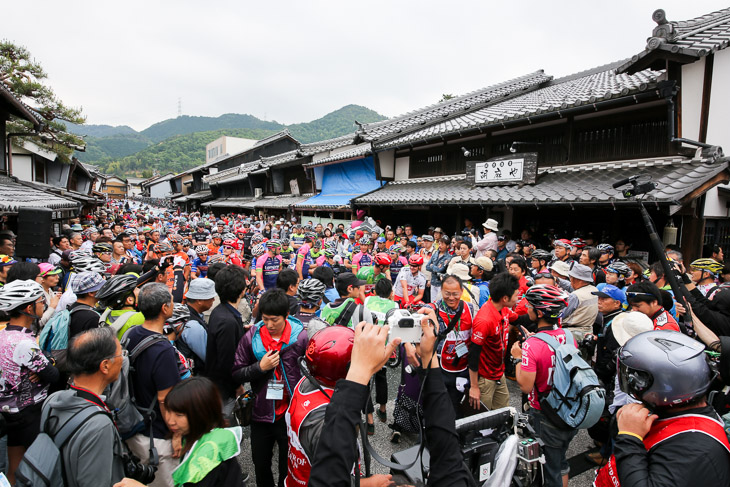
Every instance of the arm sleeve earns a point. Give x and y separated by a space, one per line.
50 374
446 466
475 353
337 453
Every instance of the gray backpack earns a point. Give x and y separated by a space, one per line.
42 464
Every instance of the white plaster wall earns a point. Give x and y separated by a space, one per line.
692 79
401 168
718 127
22 167
160 190
387 164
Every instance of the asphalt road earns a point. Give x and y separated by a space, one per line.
582 474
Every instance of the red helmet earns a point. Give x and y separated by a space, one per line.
549 299
415 259
328 354
381 258
229 242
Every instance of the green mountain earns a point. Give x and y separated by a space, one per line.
178 144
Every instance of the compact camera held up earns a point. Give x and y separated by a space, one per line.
404 325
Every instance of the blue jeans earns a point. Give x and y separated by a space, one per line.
556 445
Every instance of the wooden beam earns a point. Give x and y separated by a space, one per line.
723 177
706 92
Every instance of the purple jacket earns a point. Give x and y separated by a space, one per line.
246 366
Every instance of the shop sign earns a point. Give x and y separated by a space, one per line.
503 170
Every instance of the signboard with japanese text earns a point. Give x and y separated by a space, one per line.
503 170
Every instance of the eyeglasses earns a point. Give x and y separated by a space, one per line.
125 353
451 295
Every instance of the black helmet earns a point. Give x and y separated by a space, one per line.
115 291
663 368
541 254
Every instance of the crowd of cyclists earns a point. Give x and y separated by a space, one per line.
178 330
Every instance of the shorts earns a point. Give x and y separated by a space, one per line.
24 426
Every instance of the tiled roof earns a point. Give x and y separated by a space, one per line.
200 195
356 152
14 195
453 107
20 109
278 159
328 145
692 38
588 87
238 173
585 183
273 138
281 201
228 202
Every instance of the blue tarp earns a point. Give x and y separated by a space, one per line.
343 182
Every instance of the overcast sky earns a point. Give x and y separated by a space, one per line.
127 63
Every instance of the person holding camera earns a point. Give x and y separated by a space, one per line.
336 454
94 455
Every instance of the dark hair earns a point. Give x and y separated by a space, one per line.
593 254
326 275
87 350
452 277
412 244
104 238
657 269
4 237
230 283
57 240
709 249
274 302
150 264
286 278
466 242
152 297
445 239
520 262
199 400
130 267
503 285
383 288
121 237
213 269
23 271
648 292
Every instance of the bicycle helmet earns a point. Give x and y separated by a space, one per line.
364 241
331 245
174 238
562 242
180 314
310 236
229 242
216 235
103 247
619 268
19 293
415 259
273 244
328 354
707 264
381 258
257 239
216 258
132 231
605 248
548 299
163 248
229 236
75 254
258 250
88 263
329 252
186 243
663 368
396 249
317 244
202 250
115 291
285 243
311 291
540 254
578 243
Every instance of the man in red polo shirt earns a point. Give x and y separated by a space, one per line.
489 344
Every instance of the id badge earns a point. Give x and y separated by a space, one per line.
461 349
275 391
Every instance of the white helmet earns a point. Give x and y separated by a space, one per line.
19 293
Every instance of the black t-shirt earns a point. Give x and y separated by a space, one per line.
293 305
201 236
155 370
83 319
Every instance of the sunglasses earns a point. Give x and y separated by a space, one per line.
227 247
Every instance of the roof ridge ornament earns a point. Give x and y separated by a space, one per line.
664 32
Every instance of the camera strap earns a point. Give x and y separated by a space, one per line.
452 323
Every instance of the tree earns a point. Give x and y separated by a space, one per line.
446 97
147 173
25 78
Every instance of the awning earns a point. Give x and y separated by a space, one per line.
14 195
282 201
202 195
676 178
342 183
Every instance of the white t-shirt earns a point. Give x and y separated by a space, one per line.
413 282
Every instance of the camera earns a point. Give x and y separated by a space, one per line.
466 233
404 325
135 470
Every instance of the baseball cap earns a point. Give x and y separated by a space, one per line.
612 292
48 269
350 279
